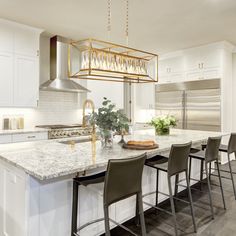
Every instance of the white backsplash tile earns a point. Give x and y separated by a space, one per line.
53 107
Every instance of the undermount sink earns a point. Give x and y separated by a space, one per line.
71 142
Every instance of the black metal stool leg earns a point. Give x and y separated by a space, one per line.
106 220
209 191
232 177
210 171
137 218
221 186
157 186
141 214
191 201
172 205
190 168
176 184
74 208
201 174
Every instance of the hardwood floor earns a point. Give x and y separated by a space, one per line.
224 224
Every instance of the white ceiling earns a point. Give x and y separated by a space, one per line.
155 25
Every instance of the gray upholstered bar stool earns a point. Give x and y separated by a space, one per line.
229 149
122 179
209 155
174 165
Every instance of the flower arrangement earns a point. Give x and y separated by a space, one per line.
162 124
108 119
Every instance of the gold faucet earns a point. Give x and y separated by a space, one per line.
88 103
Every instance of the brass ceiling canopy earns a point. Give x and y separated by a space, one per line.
99 60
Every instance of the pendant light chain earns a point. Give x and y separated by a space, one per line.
127 23
109 19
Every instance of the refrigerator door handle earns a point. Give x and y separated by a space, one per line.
184 117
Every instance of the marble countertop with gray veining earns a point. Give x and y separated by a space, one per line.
51 159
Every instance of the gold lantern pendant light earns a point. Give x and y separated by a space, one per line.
99 60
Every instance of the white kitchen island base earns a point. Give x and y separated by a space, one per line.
29 207
36 182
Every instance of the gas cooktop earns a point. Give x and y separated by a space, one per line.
59 126
65 131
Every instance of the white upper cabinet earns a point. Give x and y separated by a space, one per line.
6 79
6 37
26 41
204 62
144 98
25 85
171 69
19 65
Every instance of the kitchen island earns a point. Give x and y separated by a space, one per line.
36 182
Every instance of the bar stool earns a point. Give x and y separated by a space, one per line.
229 149
122 179
173 166
208 156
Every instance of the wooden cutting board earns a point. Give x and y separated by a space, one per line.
138 147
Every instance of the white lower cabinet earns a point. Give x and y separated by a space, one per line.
6 138
29 137
23 137
13 202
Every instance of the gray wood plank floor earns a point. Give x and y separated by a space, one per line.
224 224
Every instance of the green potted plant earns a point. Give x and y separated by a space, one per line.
109 120
162 124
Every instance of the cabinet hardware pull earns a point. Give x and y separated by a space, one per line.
31 136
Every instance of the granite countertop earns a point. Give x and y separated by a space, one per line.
51 159
22 131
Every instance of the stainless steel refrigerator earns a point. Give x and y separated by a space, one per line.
195 104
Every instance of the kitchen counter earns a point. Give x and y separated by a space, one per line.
36 182
51 159
22 131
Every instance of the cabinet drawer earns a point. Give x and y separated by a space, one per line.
29 137
5 138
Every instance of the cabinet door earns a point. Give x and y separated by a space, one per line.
193 75
211 73
192 59
6 138
6 79
26 81
145 95
7 37
29 137
14 204
26 41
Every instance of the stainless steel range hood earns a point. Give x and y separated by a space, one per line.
59 80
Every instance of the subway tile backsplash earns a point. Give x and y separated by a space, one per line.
53 108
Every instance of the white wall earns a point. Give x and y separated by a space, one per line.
234 91
53 108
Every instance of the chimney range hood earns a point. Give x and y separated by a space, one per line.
59 80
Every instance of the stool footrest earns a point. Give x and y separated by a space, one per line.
89 223
102 219
224 177
123 227
158 208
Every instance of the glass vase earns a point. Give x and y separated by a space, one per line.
162 131
106 138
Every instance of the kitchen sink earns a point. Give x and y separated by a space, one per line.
74 141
